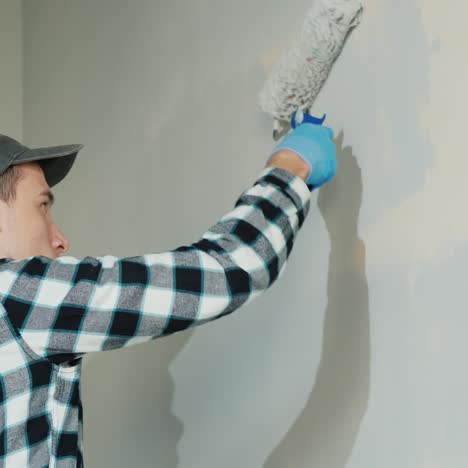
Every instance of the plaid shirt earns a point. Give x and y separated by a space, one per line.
54 311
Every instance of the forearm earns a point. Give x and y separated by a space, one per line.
290 162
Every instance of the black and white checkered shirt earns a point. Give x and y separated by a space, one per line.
54 311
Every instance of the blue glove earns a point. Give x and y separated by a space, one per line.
314 144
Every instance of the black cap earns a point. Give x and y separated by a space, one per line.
56 161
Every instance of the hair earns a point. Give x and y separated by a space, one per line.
8 183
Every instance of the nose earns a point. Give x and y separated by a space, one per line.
59 242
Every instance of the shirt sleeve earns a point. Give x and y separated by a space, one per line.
64 308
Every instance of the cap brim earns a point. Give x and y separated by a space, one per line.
56 161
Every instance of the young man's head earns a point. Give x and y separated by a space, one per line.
26 226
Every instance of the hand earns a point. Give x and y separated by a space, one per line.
314 144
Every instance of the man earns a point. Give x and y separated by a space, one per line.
54 308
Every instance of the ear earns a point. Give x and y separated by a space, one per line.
4 211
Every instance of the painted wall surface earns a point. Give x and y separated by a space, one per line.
11 57
356 357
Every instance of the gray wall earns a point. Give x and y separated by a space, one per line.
11 57
356 357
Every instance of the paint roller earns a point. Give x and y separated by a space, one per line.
298 77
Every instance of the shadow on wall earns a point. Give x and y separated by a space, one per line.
325 432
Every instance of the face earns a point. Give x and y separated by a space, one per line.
26 226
